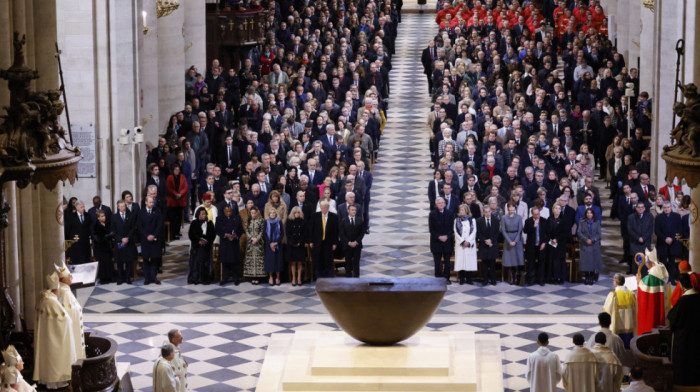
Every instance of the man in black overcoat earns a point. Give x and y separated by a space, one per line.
537 230
323 240
150 227
442 238
123 225
351 233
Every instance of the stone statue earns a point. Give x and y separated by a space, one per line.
686 135
31 127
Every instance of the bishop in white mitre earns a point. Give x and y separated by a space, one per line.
12 379
73 308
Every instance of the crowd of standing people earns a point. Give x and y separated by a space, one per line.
269 162
516 145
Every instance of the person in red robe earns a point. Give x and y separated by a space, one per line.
684 268
653 292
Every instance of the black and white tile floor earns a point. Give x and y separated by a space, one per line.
226 329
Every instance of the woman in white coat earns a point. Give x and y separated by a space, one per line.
465 245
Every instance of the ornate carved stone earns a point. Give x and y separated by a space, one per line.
97 372
683 155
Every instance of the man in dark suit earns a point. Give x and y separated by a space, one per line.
123 225
344 207
640 228
97 205
643 188
451 199
583 191
427 58
323 233
351 233
259 198
537 231
229 159
315 176
150 227
667 227
487 230
440 222
587 203
625 207
155 179
79 225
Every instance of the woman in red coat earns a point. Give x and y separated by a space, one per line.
176 198
266 59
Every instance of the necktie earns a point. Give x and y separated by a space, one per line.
646 193
157 181
123 217
537 233
311 177
448 202
352 221
229 155
555 130
81 218
330 140
628 200
324 228
150 211
210 188
301 206
488 223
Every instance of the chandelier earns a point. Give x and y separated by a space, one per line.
165 7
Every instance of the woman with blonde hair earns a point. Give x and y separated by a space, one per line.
296 240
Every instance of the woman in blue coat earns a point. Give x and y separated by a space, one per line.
273 234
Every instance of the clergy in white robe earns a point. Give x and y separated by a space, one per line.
179 363
543 369
465 245
54 349
621 305
609 367
613 341
579 370
72 306
164 377
10 374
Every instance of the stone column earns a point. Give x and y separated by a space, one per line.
646 68
52 235
634 33
30 237
13 268
622 27
171 65
195 34
668 23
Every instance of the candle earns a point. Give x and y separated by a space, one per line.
144 18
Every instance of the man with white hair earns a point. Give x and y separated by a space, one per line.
78 226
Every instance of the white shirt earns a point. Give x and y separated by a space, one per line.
543 370
638 386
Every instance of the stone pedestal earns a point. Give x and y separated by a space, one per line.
428 361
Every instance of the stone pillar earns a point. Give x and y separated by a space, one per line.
149 68
12 265
52 235
634 31
44 38
622 27
195 34
646 68
30 236
668 27
171 65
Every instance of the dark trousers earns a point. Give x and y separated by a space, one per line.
124 270
430 84
150 269
536 265
669 262
488 270
323 259
557 269
352 262
175 219
229 270
442 270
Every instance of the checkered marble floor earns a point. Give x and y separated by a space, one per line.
225 354
225 342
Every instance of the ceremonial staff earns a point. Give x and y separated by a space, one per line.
63 90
